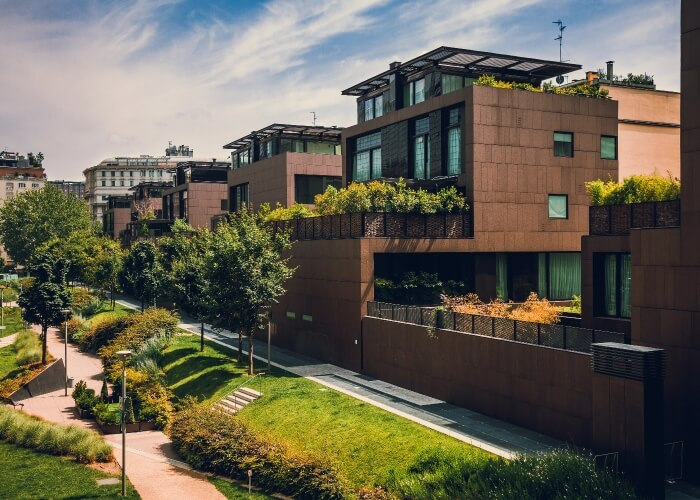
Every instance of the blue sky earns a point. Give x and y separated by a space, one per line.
87 79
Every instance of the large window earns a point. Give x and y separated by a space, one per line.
450 83
374 107
608 147
367 160
414 92
421 149
306 187
563 144
454 143
241 158
558 206
612 284
563 275
239 197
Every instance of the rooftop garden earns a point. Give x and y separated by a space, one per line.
374 196
634 189
583 89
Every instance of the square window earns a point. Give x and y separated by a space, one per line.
608 147
558 206
564 144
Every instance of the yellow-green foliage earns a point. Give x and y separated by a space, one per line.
536 311
583 89
533 309
296 211
634 189
28 348
32 432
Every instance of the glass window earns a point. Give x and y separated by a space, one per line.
608 147
454 143
369 109
377 163
450 83
121 173
114 183
368 158
361 166
104 174
564 275
121 183
327 148
558 206
113 174
104 183
306 187
419 91
612 284
563 144
502 276
421 149
378 106
131 173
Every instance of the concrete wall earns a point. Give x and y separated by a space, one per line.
547 390
648 149
272 180
51 379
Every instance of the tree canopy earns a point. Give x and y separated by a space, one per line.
34 218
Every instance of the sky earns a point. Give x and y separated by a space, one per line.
84 80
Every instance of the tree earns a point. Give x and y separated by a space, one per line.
36 217
48 295
104 263
142 274
246 272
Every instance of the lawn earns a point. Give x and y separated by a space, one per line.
8 363
235 491
361 440
28 474
13 321
107 311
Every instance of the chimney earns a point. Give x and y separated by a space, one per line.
610 70
591 76
394 64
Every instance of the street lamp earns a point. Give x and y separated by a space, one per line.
65 312
124 354
2 307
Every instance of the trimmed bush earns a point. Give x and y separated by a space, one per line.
585 89
214 441
28 348
101 332
558 474
536 311
32 432
634 189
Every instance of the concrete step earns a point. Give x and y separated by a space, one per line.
241 396
231 405
224 409
247 390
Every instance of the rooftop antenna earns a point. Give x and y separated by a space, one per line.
561 27
313 113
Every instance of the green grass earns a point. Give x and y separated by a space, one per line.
28 474
235 491
107 311
13 321
8 361
361 440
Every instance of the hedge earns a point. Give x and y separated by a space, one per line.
634 189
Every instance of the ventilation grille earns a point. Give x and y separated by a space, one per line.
645 364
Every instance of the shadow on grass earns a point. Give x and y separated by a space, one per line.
207 384
192 366
176 354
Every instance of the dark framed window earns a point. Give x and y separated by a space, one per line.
608 147
454 142
421 148
414 92
373 107
239 197
306 187
612 284
558 206
367 159
564 144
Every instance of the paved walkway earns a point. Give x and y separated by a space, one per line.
488 433
151 462
9 340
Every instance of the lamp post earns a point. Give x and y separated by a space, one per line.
65 312
123 355
2 307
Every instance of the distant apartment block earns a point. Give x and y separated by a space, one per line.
76 188
18 174
114 176
283 164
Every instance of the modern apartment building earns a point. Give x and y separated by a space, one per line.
117 216
283 164
648 125
114 176
199 192
76 188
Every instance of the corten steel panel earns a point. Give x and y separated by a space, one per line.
204 201
491 376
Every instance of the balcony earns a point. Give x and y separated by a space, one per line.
619 219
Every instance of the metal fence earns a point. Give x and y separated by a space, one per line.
378 225
550 335
619 219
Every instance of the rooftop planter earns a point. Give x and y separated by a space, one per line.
584 89
619 219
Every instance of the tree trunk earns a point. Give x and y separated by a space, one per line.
44 330
251 368
141 304
240 345
201 344
111 292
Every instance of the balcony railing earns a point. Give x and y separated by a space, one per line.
378 225
619 219
559 336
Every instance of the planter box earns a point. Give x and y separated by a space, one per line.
84 414
116 428
147 426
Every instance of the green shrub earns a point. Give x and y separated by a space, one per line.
79 389
32 432
558 474
415 288
213 441
634 189
576 304
104 392
296 211
108 414
101 332
582 89
93 307
28 348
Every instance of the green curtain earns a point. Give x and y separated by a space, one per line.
610 293
564 275
502 276
542 275
625 285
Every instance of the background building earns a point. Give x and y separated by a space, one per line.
114 176
19 174
76 188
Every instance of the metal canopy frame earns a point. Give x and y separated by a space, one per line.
152 184
191 165
467 62
315 132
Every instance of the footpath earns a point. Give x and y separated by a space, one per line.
151 463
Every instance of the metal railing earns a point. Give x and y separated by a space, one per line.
558 336
257 375
608 461
619 219
378 225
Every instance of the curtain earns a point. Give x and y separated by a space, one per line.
610 292
450 83
361 166
542 275
502 276
376 163
625 285
564 275
453 149
419 158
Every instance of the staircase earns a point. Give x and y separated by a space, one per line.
237 400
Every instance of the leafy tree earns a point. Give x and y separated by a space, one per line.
142 274
44 300
104 262
246 272
104 392
36 217
75 250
